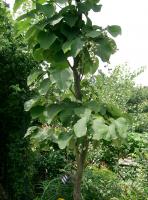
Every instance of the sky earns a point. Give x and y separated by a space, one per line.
132 16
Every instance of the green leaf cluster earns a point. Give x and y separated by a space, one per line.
92 119
55 35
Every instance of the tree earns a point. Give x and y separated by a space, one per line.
61 33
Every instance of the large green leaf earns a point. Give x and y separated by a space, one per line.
93 34
66 114
51 112
100 128
97 8
30 14
121 127
46 9
67 46
22 26
55 19
71 18
84 7
44 86
111 133
93 67
38 54
64 139
88 5
90 65
69 32
36 111
76 46
83 112
68 111
96 107
80 128
63 78
60 61
31 33
33 77
41 24
106 48
56 56
31 130
114 30
117 129
18 4
29 104
46 39
41 135
93 106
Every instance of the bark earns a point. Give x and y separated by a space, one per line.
77 80
80 158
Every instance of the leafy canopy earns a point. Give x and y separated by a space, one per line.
61 33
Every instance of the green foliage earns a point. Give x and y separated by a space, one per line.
58 27
63 78
16 171
97 184
102 131
44 162
100 184
117 86
5 27
137 106
114 30
55 189
21 169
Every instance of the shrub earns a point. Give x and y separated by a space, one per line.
100 184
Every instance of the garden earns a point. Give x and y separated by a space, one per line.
68 130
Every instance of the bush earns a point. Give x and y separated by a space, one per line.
100 184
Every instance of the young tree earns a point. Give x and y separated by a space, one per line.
61 33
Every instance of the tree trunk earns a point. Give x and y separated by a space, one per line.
76 74
78 178
80 159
